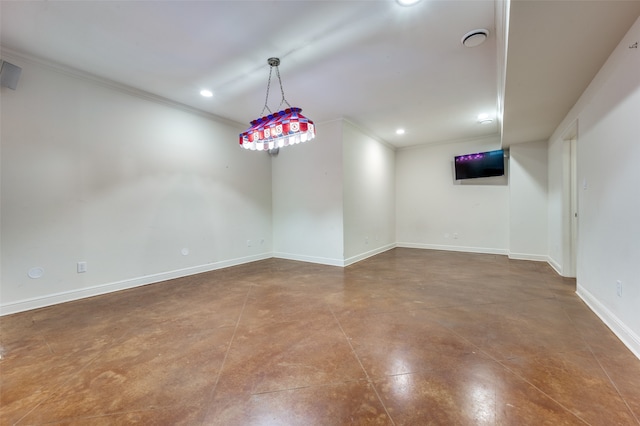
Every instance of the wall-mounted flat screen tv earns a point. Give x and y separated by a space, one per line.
481 164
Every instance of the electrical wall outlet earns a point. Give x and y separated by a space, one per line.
81 267
619 288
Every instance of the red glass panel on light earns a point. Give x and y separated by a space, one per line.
286 127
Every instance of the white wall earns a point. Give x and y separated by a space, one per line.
558 206
369 195
91 173
528 201
608 190
307 199
433 211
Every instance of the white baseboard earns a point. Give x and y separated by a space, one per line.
68 296
311 259
333 262
484 250
370 253
525 256
555 265
630 339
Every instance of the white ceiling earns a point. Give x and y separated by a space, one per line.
376 63
555 50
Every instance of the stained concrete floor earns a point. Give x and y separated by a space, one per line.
408 337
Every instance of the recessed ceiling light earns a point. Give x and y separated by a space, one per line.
400 132
206 93
407 2
475 38
484 118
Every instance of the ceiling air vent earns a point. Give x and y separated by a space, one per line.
475 38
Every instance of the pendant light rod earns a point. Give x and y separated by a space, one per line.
274 63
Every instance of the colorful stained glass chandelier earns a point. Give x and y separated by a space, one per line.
275 130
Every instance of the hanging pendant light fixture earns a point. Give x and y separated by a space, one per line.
275 130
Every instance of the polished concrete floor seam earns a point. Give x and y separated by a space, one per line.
221 369
324 385
604 371
497 361
49 395
543 392
613 383
355 354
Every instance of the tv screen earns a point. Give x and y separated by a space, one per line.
481 164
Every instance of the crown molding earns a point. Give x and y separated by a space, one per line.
492 138
111 84
370 134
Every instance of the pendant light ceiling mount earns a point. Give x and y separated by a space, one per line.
274 62
275 130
